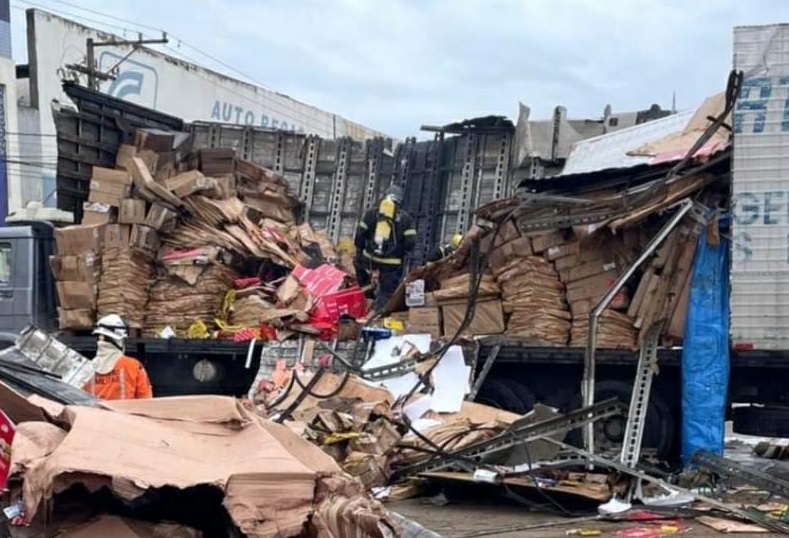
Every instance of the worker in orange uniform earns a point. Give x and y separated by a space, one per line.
118 376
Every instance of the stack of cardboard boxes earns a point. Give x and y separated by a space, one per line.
77 268
162 230
444 310
550 281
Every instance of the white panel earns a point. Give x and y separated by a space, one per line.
172 86
760 191
610 150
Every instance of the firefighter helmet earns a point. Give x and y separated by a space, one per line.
396 193
112 327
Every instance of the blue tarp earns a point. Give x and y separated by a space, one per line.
705 357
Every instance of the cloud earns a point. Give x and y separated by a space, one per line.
398 64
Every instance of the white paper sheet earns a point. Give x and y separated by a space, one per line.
414 410
394 349
451 381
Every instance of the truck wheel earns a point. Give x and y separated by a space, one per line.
523 393
764 421
496 393
609 433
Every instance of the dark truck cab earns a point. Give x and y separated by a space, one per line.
28 297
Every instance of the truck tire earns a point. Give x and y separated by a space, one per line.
658 431
522 392
764 421
496 393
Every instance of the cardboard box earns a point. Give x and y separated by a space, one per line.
117 236
567 262
541 243
144 237
488 318
227 186
187 183
508 231
563 251
424 316
77 295
592 287
97 213
154 140
132 211
585 270
108 186
76 319
161 218
520 247
126 152
85 268
80 239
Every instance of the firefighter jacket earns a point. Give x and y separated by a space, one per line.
128 380
402 242
441 252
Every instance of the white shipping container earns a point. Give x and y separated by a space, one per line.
760 190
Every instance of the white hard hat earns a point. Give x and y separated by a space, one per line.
113 327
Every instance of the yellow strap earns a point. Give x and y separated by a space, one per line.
386 261
409 232
362 225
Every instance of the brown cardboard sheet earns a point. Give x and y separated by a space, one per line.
268 473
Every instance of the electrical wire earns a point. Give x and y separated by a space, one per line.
302 118
173 36
478 263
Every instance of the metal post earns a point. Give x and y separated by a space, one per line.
587 387
90 59
312 145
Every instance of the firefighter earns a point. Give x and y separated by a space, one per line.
445 249
384 237
118 376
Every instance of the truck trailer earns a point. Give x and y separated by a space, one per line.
457 171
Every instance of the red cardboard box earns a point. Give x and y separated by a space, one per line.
350 302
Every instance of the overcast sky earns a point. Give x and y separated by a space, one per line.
396 64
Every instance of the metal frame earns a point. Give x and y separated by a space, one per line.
639 401
501 185
374 153
312 144
279 158
587 386
517 435
338 189
467 183
749 515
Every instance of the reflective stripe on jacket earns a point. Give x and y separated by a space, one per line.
127 381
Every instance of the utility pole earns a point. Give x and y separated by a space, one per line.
95 76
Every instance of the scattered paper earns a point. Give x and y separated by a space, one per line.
451 381
392 350
423 424
416 409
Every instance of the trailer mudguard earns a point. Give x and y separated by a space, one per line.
705 357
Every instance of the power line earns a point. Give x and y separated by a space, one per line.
303 118
71 15
175 37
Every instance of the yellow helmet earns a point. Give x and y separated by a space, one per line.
456 240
